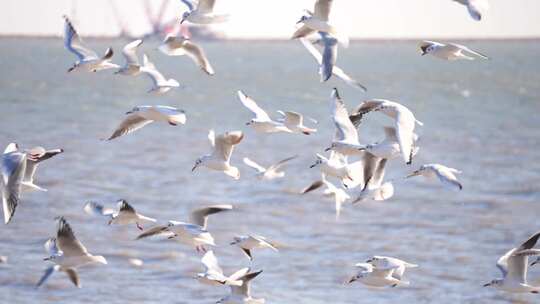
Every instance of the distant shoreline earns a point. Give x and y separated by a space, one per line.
490 39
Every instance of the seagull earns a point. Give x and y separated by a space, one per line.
513 266
318 21
249 242
126 214
389 147
220 157
381 272
475 7
329 58
193 234
132 66
213 274
242 294
203 14
445 174
13 169
336 71
271 172
88 60
161 84
262 123
346 138
449 51
178 46
67 253
140 116
335 165
295 122
404 123
373 169
340 196
34 157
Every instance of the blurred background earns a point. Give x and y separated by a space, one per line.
275 19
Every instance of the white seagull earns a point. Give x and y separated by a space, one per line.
220 157
249 242
140 116
193 234
88 60
318 21
389 147
335 165
126 214
475 7
67 253
213 274
203 13
242 294
295 122
271 172
13 170
132 67
445 174
346 138
513 266
161 84
262 123
404 123
373 169
178 46
336 71
381 272
340 196
34 157
449 51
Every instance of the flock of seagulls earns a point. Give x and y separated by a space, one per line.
343 180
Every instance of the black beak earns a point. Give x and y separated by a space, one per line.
327 149
486 285
313 166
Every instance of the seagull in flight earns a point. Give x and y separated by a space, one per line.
449 51
132 66
271 172
324 65
87 59
340 196
126 214
249 242
67 253
219 159
475 7
294 121
178 46
318 21
262 123
381 271
404 123
140 116
161 85
513 266
242 294
195 233
346 138
34 157
13 169
203 13
213 274
446 175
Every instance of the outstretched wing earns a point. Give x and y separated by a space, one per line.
249 103
72 42
254 165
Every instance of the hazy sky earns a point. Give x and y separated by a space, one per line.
276 18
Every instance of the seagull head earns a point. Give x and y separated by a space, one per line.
495 282
417 172
184 17
536 261
135 109
317 162
236 240
303 18
198 162
249 122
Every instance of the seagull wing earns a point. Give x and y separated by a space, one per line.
447 177
47 274
459 47
94 208
50 247
13 170
73 276
130 52
346 132
197 54
264 241
73 43
322 9
254 165
329 57
125 207
404 125
281 163
212 138
189 4
67 242
293 119
173 115
225 144
131 123
150 69
210 261
244 290
315 185
249 103
153 231
200 216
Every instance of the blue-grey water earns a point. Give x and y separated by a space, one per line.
480 117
